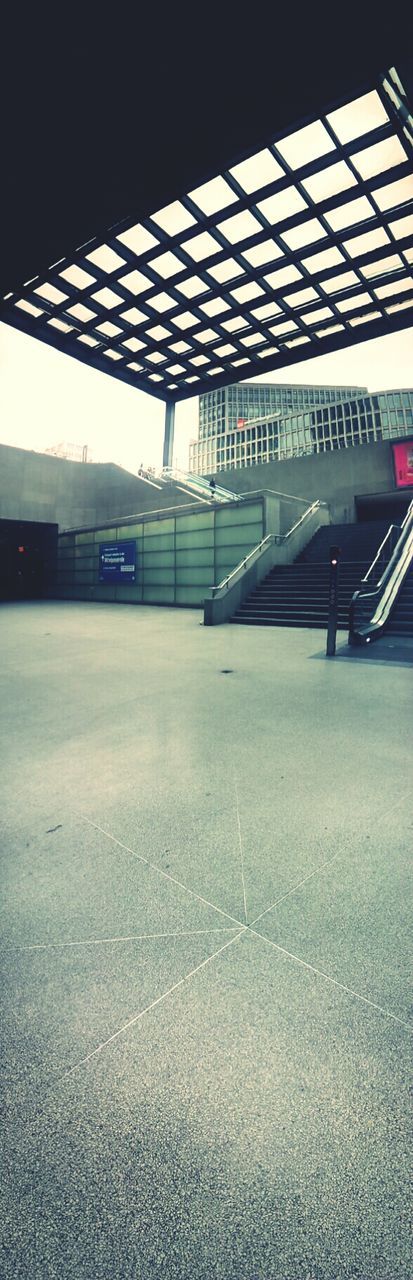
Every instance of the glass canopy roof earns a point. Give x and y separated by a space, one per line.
301 248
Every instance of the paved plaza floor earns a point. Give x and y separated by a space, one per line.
205 840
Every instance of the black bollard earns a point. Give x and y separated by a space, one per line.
332 602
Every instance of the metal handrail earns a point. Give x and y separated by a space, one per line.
290 497
261 546
378 553
270 539
314 507
199 485
380 600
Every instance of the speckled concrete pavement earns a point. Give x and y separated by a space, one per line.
205 841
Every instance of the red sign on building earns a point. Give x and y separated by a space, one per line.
403 463
241 423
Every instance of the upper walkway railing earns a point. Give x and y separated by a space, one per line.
205 490
370 608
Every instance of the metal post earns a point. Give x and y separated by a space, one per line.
168 440
332 602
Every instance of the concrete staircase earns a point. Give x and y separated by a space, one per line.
296 595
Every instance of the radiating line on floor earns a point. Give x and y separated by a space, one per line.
294 887
159 870
128 937
136 1018
240 845
327 977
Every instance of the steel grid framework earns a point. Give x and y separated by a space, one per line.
300 249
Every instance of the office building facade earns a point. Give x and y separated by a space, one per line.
249 423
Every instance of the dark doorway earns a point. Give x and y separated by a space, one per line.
28 555
383 506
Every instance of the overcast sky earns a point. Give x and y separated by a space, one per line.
47 397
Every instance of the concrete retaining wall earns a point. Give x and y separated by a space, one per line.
335 477
36 486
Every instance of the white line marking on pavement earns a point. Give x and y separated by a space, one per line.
137 1016
341 985
240 845
153 867
128 937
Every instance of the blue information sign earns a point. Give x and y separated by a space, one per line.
117 562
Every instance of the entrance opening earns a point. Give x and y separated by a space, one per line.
383 506
28 557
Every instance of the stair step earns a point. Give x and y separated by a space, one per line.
256 620
296 595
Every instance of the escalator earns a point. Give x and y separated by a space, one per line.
197 486
384 601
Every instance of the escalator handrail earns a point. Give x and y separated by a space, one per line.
386 590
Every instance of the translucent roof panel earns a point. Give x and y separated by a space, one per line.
348 215
77 276
166 265
358 117
214 307
51 294
377 159
201 246
265 252
239 227
403 227
105 258
281 206
107 298
108 329
192 287
394 193
392 263
329 182
213 196
138 239
257 172
174 218
305 145
306 233
226 270
298 247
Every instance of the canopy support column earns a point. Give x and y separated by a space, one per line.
168 440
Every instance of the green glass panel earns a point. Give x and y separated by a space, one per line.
196 538
100 592
104 535
162 575
205 520
160 542
241 514
85 549
82 593
80 538
155 528
194 577
66 566
228 537
130 595
156 559
195 556
129 531
190 596
158 595
86 563
66 551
